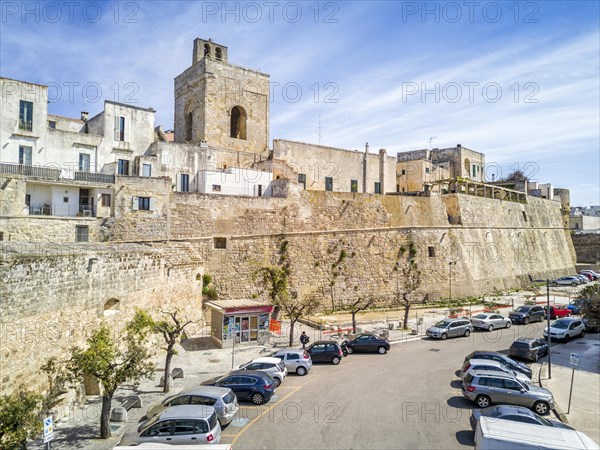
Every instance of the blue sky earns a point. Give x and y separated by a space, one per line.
518 81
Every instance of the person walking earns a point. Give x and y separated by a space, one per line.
304 339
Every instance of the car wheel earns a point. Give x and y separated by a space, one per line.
444 336
258 398
567 337
483 401
582 333
491 328
381 350
335 360
554 284
542 408
537 356
277 382
526 321
301 371
467 333
508 324
350 350
573 284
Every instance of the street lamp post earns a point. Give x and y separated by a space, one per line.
548 340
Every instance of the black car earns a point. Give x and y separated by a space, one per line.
325 351
367 342
529 349
250 385
495 356
515 413
527 313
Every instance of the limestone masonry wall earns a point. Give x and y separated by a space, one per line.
53 295
587 247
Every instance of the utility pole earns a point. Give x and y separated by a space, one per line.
548 325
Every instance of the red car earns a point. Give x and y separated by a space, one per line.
558 311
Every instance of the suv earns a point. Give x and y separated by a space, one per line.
222 399
476 365
297 361
566 281
273 366
527 313
529 349
253 385
565 329
325 351
511 364
485 388
450 328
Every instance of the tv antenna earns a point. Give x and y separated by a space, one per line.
319 127
431 139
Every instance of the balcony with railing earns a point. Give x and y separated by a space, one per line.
25 125
51 174
92 177
60 210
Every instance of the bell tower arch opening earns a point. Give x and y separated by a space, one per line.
238 123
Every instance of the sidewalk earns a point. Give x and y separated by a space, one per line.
585 400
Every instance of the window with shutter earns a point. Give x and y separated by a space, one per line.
135 203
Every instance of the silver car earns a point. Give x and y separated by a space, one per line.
490 321
178 425
477 365
222 399
450 328
273 366
485 388
297 361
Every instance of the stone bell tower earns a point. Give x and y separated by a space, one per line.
226 106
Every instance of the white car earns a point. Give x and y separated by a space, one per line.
491 366
565 329
273 366
490 321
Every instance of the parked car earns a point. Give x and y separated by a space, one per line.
487 388
367 342
500 357
222 399
296 360
273 366
591 326
450 328
527 313
514 413
178 425
566 281
589 276
477 365
501 434
565 329
575 307
529 349
325 351
595 276
251 385
582 279
490 322
557 311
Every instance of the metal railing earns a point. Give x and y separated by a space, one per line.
31 171
94 177
26 125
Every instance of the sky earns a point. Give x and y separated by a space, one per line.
518 81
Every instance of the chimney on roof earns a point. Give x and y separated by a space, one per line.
458 146
84 116
367 147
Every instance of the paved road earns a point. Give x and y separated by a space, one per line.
409 398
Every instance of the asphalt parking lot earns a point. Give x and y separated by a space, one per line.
409 398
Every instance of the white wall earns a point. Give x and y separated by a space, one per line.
234 181
59 207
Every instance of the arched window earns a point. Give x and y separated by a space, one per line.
219 53
238 123
467 167
206 50
189 118
112 307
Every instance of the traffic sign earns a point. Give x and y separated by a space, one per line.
574 359
48 429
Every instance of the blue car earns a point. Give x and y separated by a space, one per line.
250 385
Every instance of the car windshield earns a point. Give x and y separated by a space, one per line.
442 324
522 309
560 325
481 316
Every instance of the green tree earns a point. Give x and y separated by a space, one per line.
590 309
20 418
112 361
410 282
171 329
